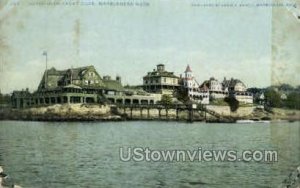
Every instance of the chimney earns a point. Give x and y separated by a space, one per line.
106 77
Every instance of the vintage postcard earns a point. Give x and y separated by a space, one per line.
149 93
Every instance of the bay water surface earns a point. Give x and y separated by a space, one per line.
86 154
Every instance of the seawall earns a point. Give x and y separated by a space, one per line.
96 112
158 114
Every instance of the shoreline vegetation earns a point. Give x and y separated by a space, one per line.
96 112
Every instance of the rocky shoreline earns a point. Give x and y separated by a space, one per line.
72 112
292 180
95 112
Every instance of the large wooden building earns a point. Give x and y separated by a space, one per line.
160 81
78 85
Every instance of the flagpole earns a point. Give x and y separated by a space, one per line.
46 61
46 72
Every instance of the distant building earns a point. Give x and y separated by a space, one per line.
215 85
233 85
227 88
283 96
236 88
160 81
260 98
215 88
193 89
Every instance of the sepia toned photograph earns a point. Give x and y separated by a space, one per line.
149 93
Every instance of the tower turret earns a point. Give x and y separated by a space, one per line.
189 78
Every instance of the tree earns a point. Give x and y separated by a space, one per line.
273 98
255 90
166 100
285 87
182 95
293 100
233 103
4 98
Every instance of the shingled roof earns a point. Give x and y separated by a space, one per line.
205 84
59 76
161 74
188 69
78 72
113 85
231 83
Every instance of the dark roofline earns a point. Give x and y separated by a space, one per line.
157 76
64 70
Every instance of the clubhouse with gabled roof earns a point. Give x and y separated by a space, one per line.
78 85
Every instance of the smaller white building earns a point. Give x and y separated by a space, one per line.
215 89
214 85
232 87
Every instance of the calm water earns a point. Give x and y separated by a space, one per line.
52 154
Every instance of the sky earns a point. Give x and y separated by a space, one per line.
130 41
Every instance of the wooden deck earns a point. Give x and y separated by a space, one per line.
190 109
